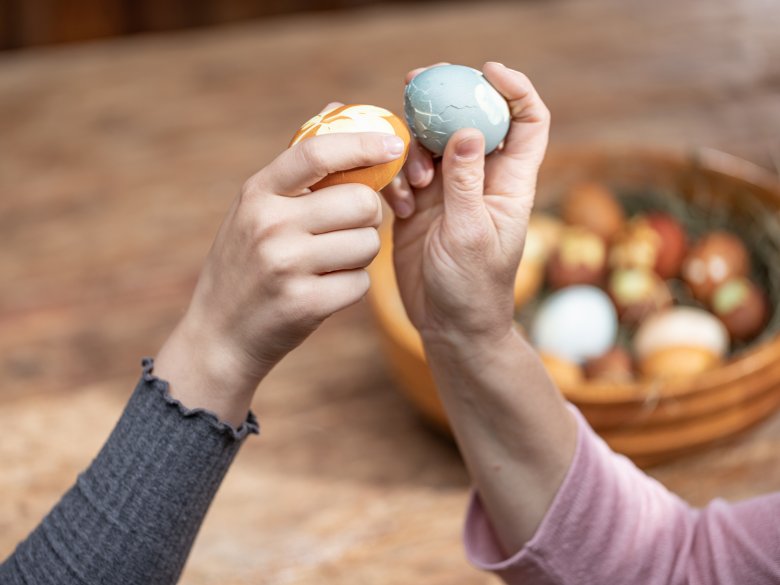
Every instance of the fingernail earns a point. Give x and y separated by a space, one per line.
403 208
394 145
468 149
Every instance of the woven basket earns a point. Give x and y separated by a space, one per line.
650 420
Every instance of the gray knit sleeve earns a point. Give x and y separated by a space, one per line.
132 516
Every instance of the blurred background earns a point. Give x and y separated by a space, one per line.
126 128
41 22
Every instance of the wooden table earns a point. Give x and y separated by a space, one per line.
118 159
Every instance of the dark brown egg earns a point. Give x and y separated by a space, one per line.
593 206
580 258
673 244
742 307
719 256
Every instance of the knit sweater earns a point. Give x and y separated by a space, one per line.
132 516
610 524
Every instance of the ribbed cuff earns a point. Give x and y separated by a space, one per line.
249 426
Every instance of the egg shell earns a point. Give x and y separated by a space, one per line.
528 280
358 118
635 246
676 361
673 243
615 366
593 206
580 258
637 293
564 373
575 323
719 256
443 99
681 327
742 307
543 236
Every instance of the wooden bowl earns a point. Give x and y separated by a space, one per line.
653 420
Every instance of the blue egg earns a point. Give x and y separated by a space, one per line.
446 98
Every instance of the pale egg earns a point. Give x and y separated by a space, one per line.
576 323
443 99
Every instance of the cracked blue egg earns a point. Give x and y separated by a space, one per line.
443 99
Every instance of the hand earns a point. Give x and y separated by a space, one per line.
457 254
283 261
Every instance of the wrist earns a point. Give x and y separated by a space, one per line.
470 348
204 372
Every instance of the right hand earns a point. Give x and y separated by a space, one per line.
286 258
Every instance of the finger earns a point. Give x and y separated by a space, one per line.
339 207
530 123
463 169
419 166
343 250
415 72
399 196
339 290
308 161
331 106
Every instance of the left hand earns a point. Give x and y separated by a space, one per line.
456 254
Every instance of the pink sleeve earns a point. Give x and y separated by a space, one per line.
611 523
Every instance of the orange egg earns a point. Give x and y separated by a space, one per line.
358 118
564 373
676 361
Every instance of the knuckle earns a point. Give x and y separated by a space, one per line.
300 305
468 179
366 202
313 157
279 261
266 226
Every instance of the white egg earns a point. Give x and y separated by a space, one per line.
681 327
575 323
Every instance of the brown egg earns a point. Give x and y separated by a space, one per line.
614 366
719 256
564 373
676 361
742 306
579 259
358 118
544 233
673 243
637 293
593 206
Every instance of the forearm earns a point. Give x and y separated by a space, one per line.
511 424
639 532
133 514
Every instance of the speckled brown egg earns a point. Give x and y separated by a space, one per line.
594 207
719 256
637 293
358 118
742 306
615 366
581 258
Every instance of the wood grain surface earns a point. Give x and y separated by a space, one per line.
118 159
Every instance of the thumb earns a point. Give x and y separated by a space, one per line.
463 175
